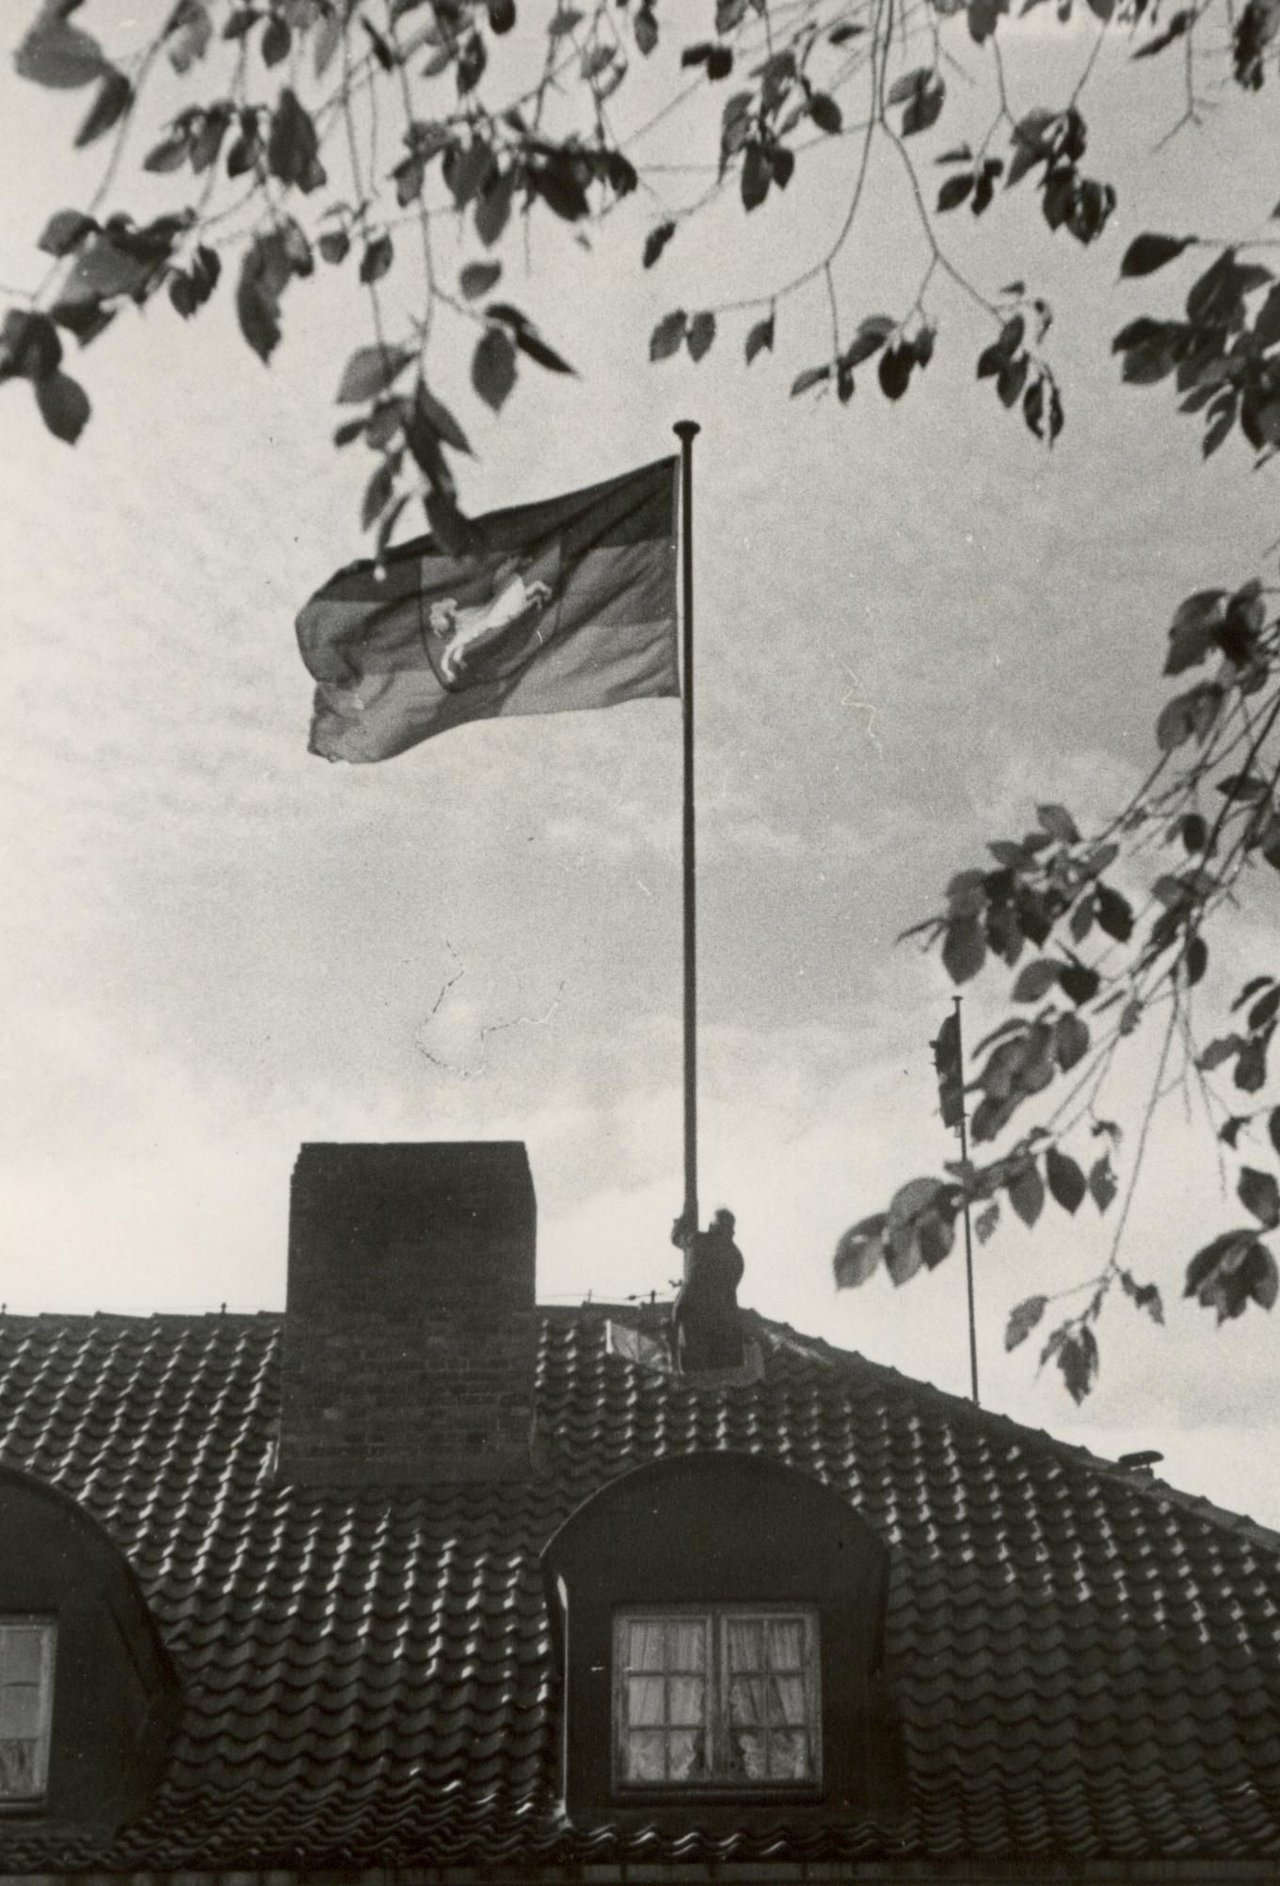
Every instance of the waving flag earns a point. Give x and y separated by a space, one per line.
566 604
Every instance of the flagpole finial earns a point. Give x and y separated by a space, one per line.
686 429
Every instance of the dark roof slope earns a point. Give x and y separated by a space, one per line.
1084 1664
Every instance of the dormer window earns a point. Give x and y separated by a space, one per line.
735 1662
26 1707
722 1697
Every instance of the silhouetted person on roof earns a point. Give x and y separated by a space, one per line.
706 1322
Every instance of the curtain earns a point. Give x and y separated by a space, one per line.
17 1768
645 1644
644 1702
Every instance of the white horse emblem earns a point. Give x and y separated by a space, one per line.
461 632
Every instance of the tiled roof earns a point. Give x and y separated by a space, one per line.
1084 1664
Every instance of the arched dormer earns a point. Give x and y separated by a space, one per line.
720 1631
88 1693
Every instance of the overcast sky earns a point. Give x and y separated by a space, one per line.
914 624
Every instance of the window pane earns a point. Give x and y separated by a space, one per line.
685 1754
789 1699
644 1755
749 1701
686 1699
687 1645
17 1768
789 1756
744 1639
20 1711
749 1756
786 1643
644 1646
644 1701
20 1653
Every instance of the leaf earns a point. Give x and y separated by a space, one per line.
907 86
1115 914
985 1223
1147 253
269 263
894 371
965 949
904 1255
1058 822
276 41
1022 1320
1102 1182
1273 1127
103 271
811 376
1078 982
760 338
493 367
1077 1357
868 340
169 154
1026 1193
858 1252
1230 1271
1070 1041
701 333
64 231
493 209
1194 628
1143 1296
826 114
58 55
955 191
645 29
1178 25
64 406
1251 1067
1066 1180
378 493
292 145
757 175
925 105
656 241
477 278
1036 980
983 16
379 254
371 371
187 35
913 1198
667 337
1196 959
1259 1193
115 96
431 421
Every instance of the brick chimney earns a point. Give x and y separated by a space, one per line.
410 1329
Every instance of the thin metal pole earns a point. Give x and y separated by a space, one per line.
968 1234
686 430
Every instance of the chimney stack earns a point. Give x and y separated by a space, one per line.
411 1327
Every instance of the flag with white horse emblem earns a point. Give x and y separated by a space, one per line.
566 604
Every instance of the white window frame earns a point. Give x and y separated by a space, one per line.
46 1630
716 1619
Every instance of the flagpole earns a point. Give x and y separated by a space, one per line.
968 1234
686 430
